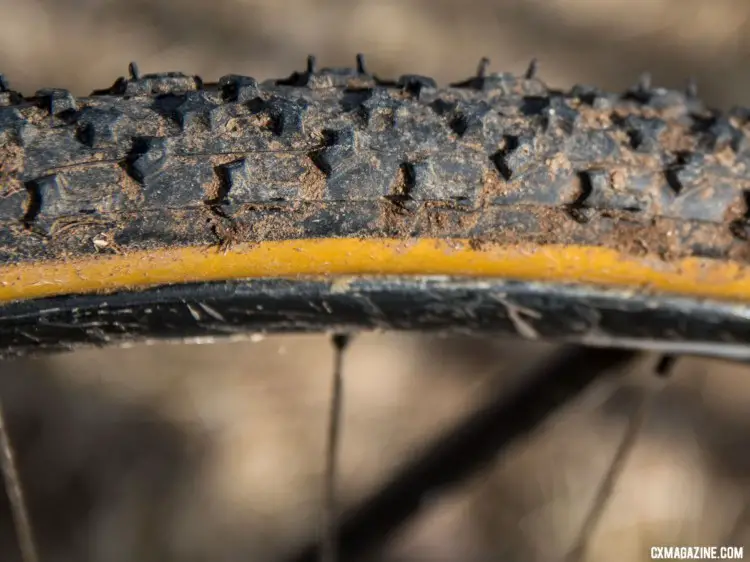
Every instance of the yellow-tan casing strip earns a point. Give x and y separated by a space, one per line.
354 257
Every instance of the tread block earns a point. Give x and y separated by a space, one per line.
553 112
340 148
532 106
148 157
314 78
687 194
516 157
559 115
465 120
26 133
10 116
103 127
287 116
337 77
415 84
468 125
149 84
540 185
709 203
264 177
447 178
741 115
220 116
57 100
643 132
661 99
13 206
591 147
180 183
362 178
162 83
719 133
350 173
590 95
70 193
504 81
48 147
444 107
9 97
13 126
193 110
641 92
236 88
379 109
686 172
599 193
352 99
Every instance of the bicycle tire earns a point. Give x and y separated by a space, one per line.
343 199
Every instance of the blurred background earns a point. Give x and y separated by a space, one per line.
170 452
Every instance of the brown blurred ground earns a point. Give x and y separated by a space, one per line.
215 452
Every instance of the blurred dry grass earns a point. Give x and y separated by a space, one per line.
215 452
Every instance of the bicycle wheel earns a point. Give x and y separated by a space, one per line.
332 200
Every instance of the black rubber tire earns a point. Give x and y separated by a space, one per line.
164 160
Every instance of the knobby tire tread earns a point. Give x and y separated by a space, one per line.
166 160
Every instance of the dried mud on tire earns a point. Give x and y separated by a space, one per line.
164 160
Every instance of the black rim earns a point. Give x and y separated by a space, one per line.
536 311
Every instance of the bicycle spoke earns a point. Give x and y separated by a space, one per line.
468 447
665 365
329 542
14 490
617 467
